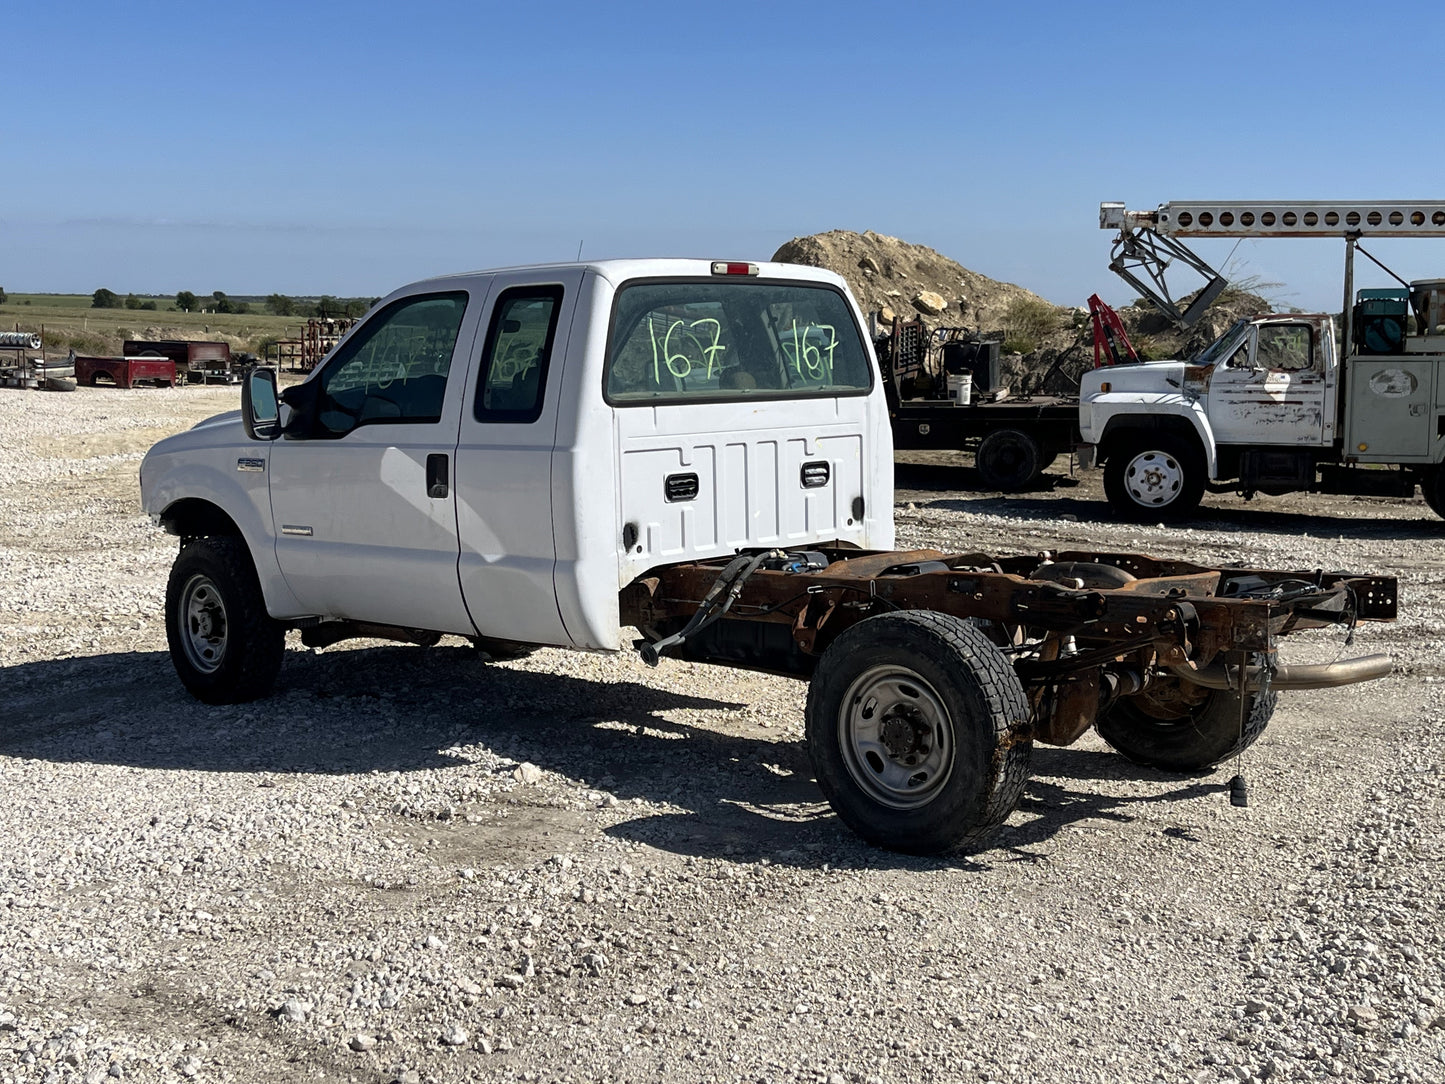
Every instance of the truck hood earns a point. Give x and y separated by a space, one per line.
1147 376
219 430
230 417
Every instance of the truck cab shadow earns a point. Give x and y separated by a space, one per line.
701 788
372 709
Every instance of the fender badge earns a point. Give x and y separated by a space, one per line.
250 464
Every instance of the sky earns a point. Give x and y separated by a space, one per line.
346 149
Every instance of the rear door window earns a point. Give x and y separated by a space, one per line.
517 354
727 340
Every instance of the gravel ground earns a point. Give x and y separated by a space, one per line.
410 865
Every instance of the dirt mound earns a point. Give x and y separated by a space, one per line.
885 273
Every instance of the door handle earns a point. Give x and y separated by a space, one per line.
437 475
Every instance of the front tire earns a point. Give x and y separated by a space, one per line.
1183 727
1155 477
914 724
226 649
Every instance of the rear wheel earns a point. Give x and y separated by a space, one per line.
912 726
1154 476
1009 460
1180 726
1432 488
225 647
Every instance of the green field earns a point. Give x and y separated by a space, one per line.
67 321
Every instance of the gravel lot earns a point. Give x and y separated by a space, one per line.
410 865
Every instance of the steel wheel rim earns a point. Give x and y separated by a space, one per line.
204 628
1153 479
896 737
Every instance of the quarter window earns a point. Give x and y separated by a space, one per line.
395 369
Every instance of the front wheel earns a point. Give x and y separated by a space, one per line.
1185 727
1154 477
226 649
914 724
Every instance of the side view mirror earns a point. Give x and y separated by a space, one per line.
260 406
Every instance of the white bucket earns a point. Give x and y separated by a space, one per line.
960 388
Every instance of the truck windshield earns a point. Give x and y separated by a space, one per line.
723 339
1220 347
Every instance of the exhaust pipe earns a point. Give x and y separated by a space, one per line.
1328 675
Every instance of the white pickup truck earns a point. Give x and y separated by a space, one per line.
700 451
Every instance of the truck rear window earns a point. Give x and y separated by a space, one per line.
729 340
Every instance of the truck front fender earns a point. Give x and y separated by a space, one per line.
195 495
1164 413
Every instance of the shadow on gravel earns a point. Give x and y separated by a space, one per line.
404 709
945 478
1239 521
1054 805
373 709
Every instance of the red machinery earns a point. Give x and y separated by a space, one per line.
1111 344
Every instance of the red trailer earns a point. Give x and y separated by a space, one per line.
124 372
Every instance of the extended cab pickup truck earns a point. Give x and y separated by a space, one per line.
699 451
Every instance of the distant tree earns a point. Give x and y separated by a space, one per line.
221 303
132 302
329 306
240 307
104 299
186 301
150 306
357 306
281 305
2 295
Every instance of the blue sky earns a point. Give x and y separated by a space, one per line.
349 148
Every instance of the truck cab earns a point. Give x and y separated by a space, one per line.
497 454
1268 407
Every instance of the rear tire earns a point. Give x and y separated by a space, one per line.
1154 477
226 649
1009 460
1183 727
913 725
1432 488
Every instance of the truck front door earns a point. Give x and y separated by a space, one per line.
362 492
1274 388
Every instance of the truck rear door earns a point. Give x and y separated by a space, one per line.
742 417
504 456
